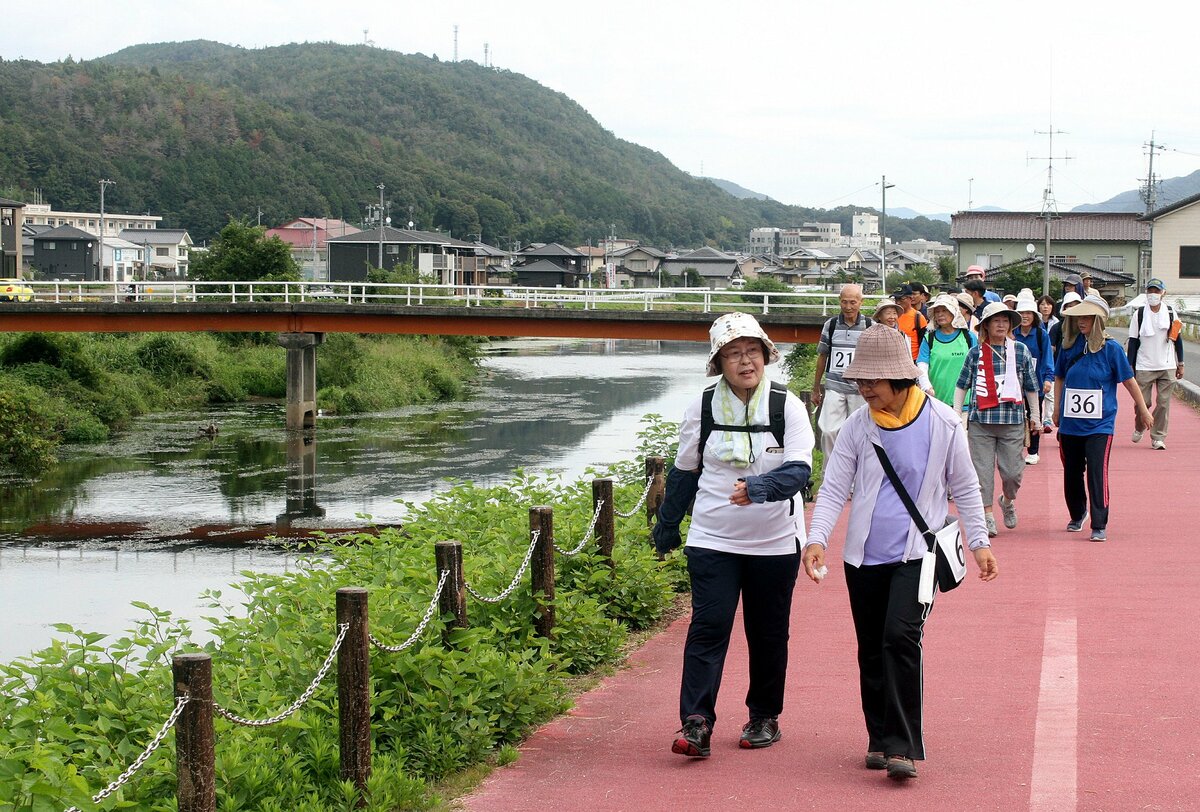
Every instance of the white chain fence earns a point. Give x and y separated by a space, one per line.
303 698
586 536
433 603
154 744
516 578
641 501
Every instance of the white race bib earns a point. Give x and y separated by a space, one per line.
1083 404
840 358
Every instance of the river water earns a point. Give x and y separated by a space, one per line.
165 511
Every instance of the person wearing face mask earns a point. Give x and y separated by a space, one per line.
1155 351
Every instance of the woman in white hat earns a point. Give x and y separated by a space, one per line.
1035 338
1000 378
924 441
1086 374
888 312
944 349
745 451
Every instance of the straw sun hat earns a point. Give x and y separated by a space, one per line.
731 327
882 352
996 309
1091 306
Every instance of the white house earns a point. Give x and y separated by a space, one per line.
122 259
1175 246
166 250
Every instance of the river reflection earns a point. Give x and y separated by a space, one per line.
544 405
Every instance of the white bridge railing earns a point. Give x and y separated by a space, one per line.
395 294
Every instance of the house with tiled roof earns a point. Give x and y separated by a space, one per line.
1110 241
551 265
448 260
716 269
167 250
1175 249
1109 284
66 253
308 238
638 266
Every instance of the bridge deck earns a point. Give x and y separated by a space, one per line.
1065 684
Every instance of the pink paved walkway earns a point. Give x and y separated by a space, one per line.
1065 684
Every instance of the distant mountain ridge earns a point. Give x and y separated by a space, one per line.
201 132
1169 191
740 192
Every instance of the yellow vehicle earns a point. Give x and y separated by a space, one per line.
14 290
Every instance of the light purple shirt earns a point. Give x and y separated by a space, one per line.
908 449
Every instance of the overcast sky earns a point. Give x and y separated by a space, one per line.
807 102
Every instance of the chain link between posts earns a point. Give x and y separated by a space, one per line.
586 536
516 578
433 604
154 744
303 698
641 501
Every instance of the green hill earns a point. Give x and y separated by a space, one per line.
201 132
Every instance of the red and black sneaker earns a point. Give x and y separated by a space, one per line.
760 732
693 739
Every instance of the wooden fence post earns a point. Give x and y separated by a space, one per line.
354 688
195 753
658 487
541 569
606 532
454 594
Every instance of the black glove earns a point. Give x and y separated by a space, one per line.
681 489
666 537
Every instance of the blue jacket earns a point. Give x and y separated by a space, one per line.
1038 344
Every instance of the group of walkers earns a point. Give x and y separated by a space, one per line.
920 404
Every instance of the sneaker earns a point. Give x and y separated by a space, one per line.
1009 509
1137 436
1075 525
876 761
1047 427
759 733
1160 445
1100 535
990 520
900 768
1033 459
694 738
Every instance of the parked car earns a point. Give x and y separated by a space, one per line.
14 290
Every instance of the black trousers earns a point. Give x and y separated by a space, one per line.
765 584
1035 435
1086 455
889 623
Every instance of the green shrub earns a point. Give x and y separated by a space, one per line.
25 428
169 356
61 350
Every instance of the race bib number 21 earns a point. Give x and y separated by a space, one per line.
1083 404
840 359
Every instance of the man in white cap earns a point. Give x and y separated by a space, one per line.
837 397
1155 352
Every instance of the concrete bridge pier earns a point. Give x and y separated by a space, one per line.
301 378
301 480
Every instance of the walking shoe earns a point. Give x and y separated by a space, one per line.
876 761
1160 445
1075 525
1137 436
900 768
694 738
1032 459
1100 535
1009 509
761 732
990 520
1047 427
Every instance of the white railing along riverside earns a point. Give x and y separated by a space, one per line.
395 294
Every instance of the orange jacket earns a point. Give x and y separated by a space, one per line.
913 325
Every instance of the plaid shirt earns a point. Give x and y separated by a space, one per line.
1005 413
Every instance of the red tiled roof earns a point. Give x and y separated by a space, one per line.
299 233
1026 225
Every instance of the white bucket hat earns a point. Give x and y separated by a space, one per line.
731 327
997 309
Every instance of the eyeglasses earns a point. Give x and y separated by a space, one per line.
737 356
867 383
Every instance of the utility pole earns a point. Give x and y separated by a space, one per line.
258 221
456 43
883 235
1049 207
1150 197
104 184
970 193
380 188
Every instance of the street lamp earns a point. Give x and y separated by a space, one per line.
104 184
883 235
380 188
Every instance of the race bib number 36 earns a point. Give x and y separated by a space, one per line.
1083 404
840 359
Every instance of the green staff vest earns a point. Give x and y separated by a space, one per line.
946 361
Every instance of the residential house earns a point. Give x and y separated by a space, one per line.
166 250
66 253
12 222
783 241
123 260
431 253
1110 241
637 267
308 238
595 256
551 265
1175 249
28 232
809 266
495 262
716 269
1109 284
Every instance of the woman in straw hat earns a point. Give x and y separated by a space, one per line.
745 535
1035 338
1086 374
888 312
1000 378
944 349
924 440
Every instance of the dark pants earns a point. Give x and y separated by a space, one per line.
1035 434
889 623
765 584
1086 454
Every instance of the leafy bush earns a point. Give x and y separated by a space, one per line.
25 428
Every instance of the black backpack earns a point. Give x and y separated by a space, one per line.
775 405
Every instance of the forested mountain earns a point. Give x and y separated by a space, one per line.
201 132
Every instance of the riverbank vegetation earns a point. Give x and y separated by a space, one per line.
74 714
60 388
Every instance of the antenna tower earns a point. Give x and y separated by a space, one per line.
1049 206
486 64
455 43
367 39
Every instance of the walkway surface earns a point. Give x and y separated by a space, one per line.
1066 684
